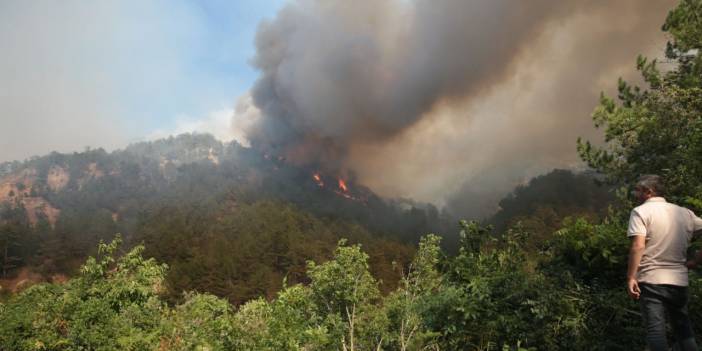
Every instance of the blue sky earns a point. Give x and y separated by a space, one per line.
215 49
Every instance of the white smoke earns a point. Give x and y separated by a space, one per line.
225 124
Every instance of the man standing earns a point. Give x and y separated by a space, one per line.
660 233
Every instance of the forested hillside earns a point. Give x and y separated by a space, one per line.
547 199
188 195
245 252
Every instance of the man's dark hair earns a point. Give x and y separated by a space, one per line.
651 182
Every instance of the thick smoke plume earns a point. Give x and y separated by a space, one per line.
395 91
339 73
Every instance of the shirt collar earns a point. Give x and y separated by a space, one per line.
656 199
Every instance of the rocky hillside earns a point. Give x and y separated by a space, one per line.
192 167
215 212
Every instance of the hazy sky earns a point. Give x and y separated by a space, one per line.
105 73
447 101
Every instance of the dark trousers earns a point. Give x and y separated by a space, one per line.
658 300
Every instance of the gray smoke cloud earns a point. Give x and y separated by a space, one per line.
453 102
339 73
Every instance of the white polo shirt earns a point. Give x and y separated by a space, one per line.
668 229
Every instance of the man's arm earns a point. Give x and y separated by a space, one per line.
695 261
638 244
696 232
697 226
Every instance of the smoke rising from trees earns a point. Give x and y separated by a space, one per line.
432 98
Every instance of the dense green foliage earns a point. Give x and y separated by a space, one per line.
116 303
241 251
489 296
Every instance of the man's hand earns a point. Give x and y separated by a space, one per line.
638 245
632 287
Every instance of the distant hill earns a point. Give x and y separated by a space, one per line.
195 167
542 203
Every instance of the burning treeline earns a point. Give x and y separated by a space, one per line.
338 185
341 188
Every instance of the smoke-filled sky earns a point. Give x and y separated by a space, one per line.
447 101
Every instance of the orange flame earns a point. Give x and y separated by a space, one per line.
342 185
343 190
318 179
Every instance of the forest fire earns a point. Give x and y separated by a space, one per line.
344 191
343 188
342 185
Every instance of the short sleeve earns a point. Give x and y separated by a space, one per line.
636 225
